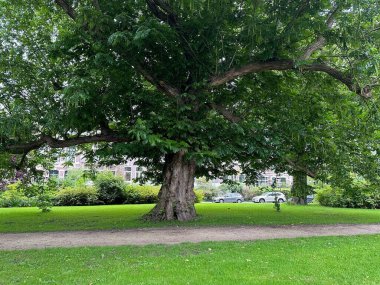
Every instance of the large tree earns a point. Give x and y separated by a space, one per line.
324 134
170 83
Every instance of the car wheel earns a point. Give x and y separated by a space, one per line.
221 201
238 201
261 201
281 200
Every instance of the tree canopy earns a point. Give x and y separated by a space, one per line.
188 88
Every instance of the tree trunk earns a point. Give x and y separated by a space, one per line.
176 197
300 189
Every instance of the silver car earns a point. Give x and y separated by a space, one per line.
269 197
229 198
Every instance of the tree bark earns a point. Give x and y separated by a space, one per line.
300 189
176 197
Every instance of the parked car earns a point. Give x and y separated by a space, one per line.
269 197
229 198
310 198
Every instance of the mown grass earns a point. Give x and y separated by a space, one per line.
322 260
129 216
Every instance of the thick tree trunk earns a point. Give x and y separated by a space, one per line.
176 197
300 188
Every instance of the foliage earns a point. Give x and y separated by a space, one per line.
110 188
277 205
23 195
77 196
15 198
44 203
140 78
199 195
74 177
231 187
208 189
141 194
34 189
209 193
357 197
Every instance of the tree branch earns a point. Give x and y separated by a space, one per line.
250 68
67 8
305 170
159 84
347 80
96 4
162 11
228 115
256 67
321 40
24 148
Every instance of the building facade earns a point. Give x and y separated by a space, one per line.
129 171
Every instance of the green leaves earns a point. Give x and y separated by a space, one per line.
119 39
141 34
65 78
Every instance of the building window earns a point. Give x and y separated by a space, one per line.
128 173
53 173
241 178
139 172
262 181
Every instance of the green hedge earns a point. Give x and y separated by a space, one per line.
107 191
15 198
353 198
148 194
141 194
77 196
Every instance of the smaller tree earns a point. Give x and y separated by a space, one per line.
110 188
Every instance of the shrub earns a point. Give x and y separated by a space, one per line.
354 197
15 198
231 187
44 203
78 196
148 194
199 195
73 178
141 194
110 188
210 193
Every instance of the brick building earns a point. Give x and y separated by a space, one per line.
130 171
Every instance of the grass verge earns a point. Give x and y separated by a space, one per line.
129 216
322 260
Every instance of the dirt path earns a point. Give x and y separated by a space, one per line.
176 235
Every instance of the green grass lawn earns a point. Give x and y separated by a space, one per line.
129 216
322 260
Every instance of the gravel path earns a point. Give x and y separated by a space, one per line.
176 235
